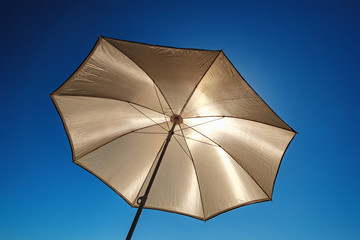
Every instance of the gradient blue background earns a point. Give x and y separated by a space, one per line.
302 57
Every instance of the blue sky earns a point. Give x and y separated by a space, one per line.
302 58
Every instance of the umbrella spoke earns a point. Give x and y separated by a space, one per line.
199 124
194 138
183 148
111 140
201 141
149 117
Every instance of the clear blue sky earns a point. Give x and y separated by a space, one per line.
302 57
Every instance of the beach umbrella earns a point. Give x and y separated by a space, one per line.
172 129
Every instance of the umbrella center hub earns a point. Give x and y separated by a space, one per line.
176 118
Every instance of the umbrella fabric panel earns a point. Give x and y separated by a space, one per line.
258 148
224 184
175 71
108 73
92 122
175 187
223 92
124 163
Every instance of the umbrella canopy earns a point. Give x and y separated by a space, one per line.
120 105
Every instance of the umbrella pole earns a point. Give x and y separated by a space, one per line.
141 200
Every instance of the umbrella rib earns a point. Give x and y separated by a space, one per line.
131 104
202 77
162 109
247 119
182 147
145 73
233 159
148 117
111 140
197 140
206 122
109 98
196 174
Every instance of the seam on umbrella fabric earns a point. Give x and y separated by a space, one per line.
202 77
145 73
197 177
162 109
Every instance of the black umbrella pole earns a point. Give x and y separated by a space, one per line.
141 200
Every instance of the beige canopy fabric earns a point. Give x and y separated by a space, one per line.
117 109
